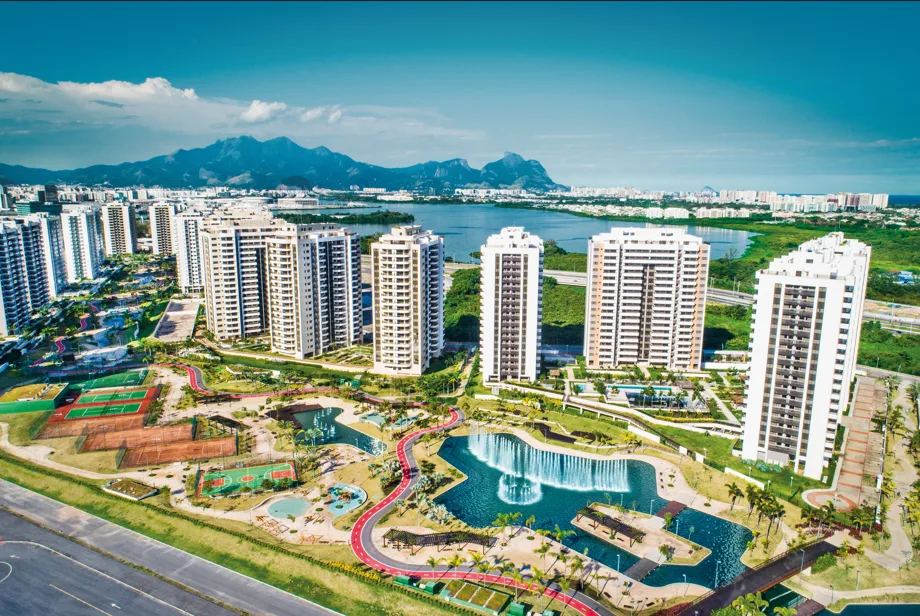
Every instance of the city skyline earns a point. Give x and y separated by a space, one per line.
642 95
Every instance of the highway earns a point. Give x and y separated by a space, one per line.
42 573
717 296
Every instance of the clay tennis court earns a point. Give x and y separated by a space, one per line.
232 480
104 440
155 453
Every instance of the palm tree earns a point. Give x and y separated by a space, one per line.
559 535
543 550
735 493
530 520
537 576
517 577
476 557
564 586
784 611
454 561
577 566
433 563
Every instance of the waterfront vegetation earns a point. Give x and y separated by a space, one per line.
384 217
880 347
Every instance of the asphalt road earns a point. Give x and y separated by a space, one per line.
43 573
233 589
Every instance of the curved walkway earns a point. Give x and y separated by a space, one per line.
363 545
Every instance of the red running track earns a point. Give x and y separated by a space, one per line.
360 551
93 307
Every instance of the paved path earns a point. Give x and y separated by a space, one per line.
230 588
363 544
43 573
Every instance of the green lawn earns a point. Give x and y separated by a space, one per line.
786 484
888 351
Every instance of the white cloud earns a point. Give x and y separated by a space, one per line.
262 112
158 105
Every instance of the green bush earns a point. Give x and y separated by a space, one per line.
824 562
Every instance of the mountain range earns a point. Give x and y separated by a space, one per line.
246 162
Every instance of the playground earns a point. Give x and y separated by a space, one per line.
232 480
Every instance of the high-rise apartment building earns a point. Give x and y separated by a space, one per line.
511 306
82 241
52 247
161 228
314 289
236 276
119 229
408 289
807 322
23 276
186 233
646 299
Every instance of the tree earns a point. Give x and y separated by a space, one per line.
735 493
543 550
564 586
784 611
454 561
433 562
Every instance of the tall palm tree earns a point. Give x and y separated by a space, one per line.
454 561
735 493
543 550
784 611
433 563
564 586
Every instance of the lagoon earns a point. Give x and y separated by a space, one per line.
507 475
465 227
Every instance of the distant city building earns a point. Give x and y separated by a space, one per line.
407 268
161 228
83 245
511 315
805 337
314 284
119 229
646 298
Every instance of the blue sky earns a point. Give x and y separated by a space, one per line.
790 97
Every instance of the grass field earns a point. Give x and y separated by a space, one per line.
276 565
104 411
115 396
233 480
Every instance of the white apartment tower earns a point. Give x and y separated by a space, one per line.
119 229
807 322
161 228
235 276
407 266
646 298
314 289
511 306
186 235
52 247
23 276
82 241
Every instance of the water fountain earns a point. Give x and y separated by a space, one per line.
515 458
519 490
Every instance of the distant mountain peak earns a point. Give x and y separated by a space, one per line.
245 161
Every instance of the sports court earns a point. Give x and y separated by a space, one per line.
115 396
105 410
131 378
233 480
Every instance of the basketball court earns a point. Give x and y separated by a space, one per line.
233 480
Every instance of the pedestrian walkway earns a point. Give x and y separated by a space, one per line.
862 453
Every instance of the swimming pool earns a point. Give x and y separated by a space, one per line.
281 509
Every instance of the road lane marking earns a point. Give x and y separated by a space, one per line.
8 573
80 600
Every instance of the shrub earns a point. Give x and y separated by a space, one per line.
824 562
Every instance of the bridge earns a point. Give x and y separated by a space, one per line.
758 579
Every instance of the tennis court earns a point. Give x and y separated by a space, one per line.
103 411
233 480
115 396
131 378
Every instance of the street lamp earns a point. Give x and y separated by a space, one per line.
832 594
802 566
687 587
857 579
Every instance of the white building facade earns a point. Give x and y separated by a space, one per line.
23 276
186 233
314 281
807 323
511 306
119 229
81 231
161 228
407 266
646 299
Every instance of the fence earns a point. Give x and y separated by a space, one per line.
36 426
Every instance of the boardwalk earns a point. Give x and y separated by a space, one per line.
641 569
760 578
674 507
